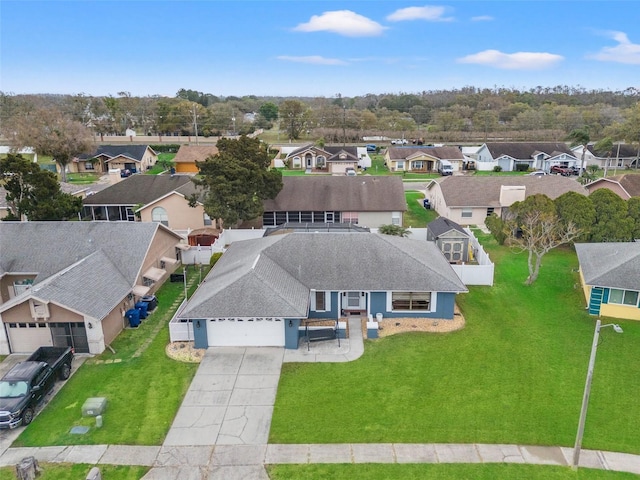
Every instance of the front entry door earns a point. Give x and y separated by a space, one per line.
353 301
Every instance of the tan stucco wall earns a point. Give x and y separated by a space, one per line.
18 313
620 311
113 323
181 215
375 219
163 245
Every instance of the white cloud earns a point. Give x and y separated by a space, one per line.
624 52
312 59
430 13
513 61
482 18
342 22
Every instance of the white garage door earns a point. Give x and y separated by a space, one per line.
256 332
27 337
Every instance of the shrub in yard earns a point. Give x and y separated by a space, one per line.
522 167
497 228
497 168
214 258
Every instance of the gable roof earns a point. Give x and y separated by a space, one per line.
364 193
526 150
443 153
630 183
69 257
274 275
195 153
331 152
626 151
443 225
137 189
614 265
135 152
463 191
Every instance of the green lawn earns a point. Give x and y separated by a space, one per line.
82 178
514 374
158 168
143 387
373 471
417 216
65 471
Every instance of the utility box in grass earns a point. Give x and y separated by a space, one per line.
94 406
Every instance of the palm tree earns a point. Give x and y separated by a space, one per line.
580 136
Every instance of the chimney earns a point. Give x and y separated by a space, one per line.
510 194
114 176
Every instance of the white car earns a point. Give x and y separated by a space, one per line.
399 141
350 172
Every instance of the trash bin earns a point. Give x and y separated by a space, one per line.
176 277
133 316
142 308
426 203
152 302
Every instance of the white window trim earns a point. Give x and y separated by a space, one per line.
622 304
313 301
432 306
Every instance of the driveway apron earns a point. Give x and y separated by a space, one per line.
230 400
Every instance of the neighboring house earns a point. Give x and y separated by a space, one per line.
470 200
70 283
422 158
451 239
188 157
610 278
623 155
120 201
328 159
260 290
4 206
625 186
365 200
135 158
534 155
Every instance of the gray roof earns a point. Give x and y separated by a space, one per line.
75 260
332 152
443 225
526 150
443 153
363 193
273 276
626 151
138 189
135 152
614 265
464 191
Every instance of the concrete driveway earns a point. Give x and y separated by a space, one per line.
230 400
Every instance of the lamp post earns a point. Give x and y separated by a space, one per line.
587 389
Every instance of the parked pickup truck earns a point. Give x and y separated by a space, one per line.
28 382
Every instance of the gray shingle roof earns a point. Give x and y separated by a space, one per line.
442 225
339 193
525 150
463 191
137 189
135 152
626 151
615 265
74 260
273 276
443 153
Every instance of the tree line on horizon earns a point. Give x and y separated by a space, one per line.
463 115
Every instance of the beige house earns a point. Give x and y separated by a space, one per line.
135 158
625 186
173 211
422 158
71 283
470 200
328 159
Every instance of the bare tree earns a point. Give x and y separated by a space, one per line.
51 133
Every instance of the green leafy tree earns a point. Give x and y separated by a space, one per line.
33 193
236 180
497 227
580 136
396 230
294 116
604 148
612 222
633 207
578 209
51 133
269 111
535 228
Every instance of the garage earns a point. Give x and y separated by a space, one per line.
245 332
27 337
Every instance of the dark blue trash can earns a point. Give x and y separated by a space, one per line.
152 302
133 316
142 308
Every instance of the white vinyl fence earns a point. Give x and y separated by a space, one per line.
481 274
180 331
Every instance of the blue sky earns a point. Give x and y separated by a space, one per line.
308 48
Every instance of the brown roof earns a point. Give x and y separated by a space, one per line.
138 189
462 191
526 150
443 153
194 153
630 182
343 193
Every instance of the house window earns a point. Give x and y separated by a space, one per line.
417 165
147 282
281 218
466 213
293 217
623 297
159 214
411 301
349 217
320 161
321 305
206 219
395 218
268 219
296 162
306 217
400 165
88 165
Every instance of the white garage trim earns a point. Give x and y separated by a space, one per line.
27 337
245 332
